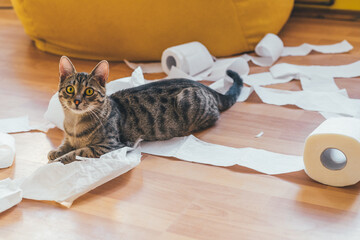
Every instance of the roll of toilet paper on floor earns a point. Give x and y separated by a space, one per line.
332 152
192 58
7 150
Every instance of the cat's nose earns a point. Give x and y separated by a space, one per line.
77 102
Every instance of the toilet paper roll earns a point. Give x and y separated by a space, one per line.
192 58
269 49
332 152
7 150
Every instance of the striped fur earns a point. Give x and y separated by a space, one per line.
155 111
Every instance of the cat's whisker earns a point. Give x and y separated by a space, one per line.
93 114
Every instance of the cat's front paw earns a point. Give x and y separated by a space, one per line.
66 159
53 154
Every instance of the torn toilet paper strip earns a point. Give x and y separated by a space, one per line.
318 83
264 79
21 124
341 71
10 194
193 149
311 83
7 150
332 102
13 125
271 48
305 48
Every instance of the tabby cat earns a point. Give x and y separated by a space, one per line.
96 123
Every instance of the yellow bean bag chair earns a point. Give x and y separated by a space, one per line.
139 30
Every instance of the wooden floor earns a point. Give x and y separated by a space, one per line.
165 198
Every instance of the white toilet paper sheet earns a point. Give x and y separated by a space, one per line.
318 83
13 125
193 149
10 194
341 71
305 48
332 102
21 124
7 150
64 183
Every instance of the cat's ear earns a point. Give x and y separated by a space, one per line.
101 72
66 68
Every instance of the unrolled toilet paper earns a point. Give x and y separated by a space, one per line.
341 71
271 48
193 58
192 149
332 152
7 150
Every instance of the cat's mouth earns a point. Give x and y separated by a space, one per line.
77 109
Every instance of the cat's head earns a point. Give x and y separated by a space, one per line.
82 92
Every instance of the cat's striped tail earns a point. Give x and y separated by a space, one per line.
230 97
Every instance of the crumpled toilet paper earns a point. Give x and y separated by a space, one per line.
7 150
64 183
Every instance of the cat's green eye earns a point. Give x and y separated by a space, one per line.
70 89
89 91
